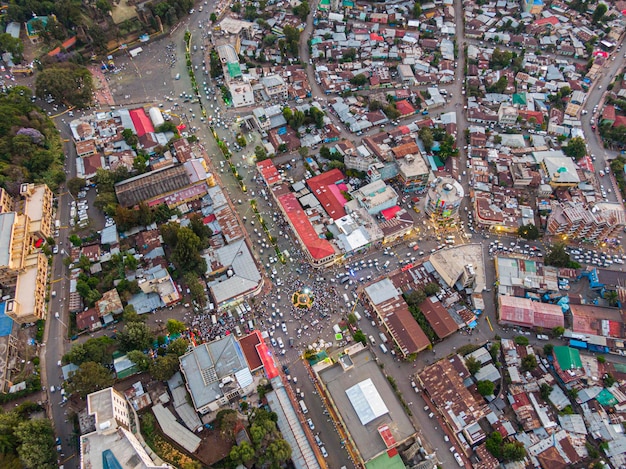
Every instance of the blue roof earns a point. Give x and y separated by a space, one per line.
6 323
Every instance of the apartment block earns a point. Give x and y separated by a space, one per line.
592 223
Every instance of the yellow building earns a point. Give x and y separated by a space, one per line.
22 264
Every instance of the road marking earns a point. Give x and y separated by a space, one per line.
489 323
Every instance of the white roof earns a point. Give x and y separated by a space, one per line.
366 401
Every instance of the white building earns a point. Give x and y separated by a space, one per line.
241 94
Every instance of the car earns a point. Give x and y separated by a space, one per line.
55 250
311 424
283 326
459 460
324 452
280 342
318 441
273 341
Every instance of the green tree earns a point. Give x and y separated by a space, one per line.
359 79
11 45
558 331
514 451
242 453
576 148
139 359
36 448
601 359
130 315
599 12
163 368
89 377
557 255
213 17
8 439
302 10
547 349
416 10
494 444
545 390
473 365
431 289
521 340
426 136
135 336
260 153
175 327
414 297
75 185
278 452
359 336
178 347
485 388
611 297
196 288
529 231
67 83
529 363
186 254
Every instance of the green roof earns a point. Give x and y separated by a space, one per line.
567 358
32 23
607 399
519 98
385 462
234 69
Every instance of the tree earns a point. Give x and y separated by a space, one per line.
529 231
494 444
521 340
558 331
472 364
601 359
75 185
576 148
416 10
302 10
359 336
426 136
135 336
359 79
163 368
557 255
89 377
178 347
175 327
431 289
195 287
213 17
547 349
242 453
130 315
545 390
11 45
529 363
514 451
485 388
278 452
599 12
303 151
67 83
186 254
139 359
414 297
611 297
260 153
36 448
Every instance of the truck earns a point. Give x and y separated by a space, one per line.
383 337
57 224
303 407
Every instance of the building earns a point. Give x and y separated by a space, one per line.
241 93
393 313
524 312
216 373
406 75
597 320
461 266
364 403
143 187
586 223
559 169
443 200
517 276
275 87
439 319
507 115
158 280
22 264
444 382
375 197
113 443
327 188
413 172
318 251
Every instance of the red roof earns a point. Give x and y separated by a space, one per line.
527 313
268 361
438 318
390 212
249 346
553 20
405 108
619 120
141 121
319 248
525 114
268 171
325 190
385 432
376 37
71 42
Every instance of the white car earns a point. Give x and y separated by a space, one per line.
280 342
283 326
311 424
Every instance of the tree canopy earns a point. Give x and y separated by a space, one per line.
557 256
67 83
529 231
90 377
576 148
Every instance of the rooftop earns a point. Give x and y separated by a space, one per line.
364 432
324 187
439 319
